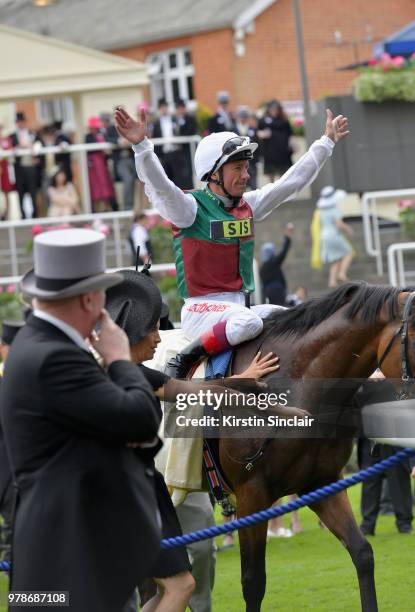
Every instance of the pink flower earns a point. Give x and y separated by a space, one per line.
373 62
406 204
385 58
152 220
171 272
386 67
398 61
298 122
37 229
104 229
10 288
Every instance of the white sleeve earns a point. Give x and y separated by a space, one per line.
168 200
263 201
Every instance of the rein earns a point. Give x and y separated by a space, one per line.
407 375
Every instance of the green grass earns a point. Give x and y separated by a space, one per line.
312 571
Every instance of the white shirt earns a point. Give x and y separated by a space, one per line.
181 208
67 329
139 236
167 131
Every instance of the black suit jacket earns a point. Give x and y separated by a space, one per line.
5 472
86 519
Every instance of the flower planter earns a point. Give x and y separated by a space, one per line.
379 154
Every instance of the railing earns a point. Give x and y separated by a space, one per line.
396 265
156 268
371 220
81 151
112 218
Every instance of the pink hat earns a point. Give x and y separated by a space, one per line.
94 122
142 106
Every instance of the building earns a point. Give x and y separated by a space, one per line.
194 48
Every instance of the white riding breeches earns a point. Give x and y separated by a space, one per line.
200 314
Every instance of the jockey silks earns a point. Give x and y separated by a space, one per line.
216 252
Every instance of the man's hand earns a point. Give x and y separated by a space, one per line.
289 230
133 131
111 342
336 128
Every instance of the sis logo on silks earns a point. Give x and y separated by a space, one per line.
238 228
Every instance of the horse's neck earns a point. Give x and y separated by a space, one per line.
336 352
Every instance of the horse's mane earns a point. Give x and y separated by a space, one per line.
362 298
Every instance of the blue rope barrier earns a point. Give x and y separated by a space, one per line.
304 500
265 515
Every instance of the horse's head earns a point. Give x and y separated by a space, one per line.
396 349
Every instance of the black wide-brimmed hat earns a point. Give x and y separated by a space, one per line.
135 304
9 331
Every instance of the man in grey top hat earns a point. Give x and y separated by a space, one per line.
87 520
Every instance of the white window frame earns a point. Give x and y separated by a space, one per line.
160 60
55 109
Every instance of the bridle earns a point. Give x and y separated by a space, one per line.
406 370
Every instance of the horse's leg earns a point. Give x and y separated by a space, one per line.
251 498
336 513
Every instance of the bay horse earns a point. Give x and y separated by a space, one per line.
341 335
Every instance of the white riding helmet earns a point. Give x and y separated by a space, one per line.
215 150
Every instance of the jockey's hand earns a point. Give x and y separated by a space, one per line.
413 472
336 128
260 366
128 128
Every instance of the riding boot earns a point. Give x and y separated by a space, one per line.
210 342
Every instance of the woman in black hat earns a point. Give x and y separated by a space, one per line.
136 306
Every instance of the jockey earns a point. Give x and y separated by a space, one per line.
213 229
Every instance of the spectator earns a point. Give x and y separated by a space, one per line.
25 166
100 182
166 127
139 238
298 297
187 126
111 135
246 125
62 195
223 121
63 140
136 306
275 131
272 276
276 527
329 244
124 166
6 173
398 477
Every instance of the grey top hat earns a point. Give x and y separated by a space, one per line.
67 263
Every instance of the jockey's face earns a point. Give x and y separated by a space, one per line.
236 177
